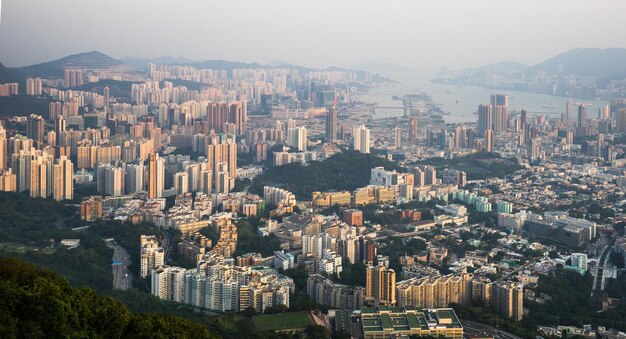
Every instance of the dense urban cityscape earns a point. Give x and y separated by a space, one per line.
169 197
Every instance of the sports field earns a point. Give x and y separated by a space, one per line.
282 321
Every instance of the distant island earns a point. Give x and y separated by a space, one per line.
581 72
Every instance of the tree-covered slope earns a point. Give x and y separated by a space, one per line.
344 171
37 303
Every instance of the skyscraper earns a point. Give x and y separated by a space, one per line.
500 103
361 137
499 100
331 124
485 117
107 96
569 110
621 120
413 129
523 117
156 176
582 115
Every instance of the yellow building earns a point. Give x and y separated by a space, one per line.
430 292
327 199
362 196
380 286
384 194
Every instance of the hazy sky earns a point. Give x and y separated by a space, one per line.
417 33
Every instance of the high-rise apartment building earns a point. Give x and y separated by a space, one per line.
134 180
507 298
34 86
397 137
3 148
297 138
488 145
110 180
222 152
156 176
181 182
35 129
380 286
435 291
485 117
168 282
331 124
63 179
361 139
151 254
73 77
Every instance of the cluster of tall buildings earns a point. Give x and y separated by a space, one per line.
34 86
37 171
326 292
216 284
9 89
151 255
72 77
436 291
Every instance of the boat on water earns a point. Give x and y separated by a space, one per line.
550 105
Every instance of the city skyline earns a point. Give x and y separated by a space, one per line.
278 192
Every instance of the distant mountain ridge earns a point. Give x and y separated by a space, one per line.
56 68
506 67
599 63
7 75
603 64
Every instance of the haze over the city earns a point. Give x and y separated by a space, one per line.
422 35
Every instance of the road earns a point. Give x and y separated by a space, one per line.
166 245
472 327
598 284
121 260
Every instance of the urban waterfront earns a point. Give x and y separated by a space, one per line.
462 101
